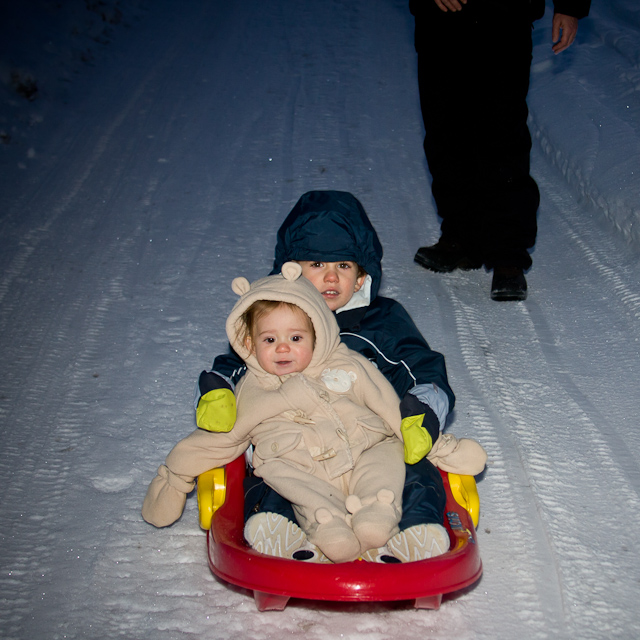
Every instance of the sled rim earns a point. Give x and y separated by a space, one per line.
233 561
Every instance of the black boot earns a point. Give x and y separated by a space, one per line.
445 256
508 283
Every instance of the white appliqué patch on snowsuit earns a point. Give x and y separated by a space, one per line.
338 380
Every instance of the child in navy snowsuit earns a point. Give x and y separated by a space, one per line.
330 235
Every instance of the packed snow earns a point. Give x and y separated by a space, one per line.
148 153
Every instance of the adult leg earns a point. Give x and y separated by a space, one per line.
448 80
512 196
509 196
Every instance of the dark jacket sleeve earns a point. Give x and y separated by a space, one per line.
407 344
575 8
226 372
230 365
386 335
216 411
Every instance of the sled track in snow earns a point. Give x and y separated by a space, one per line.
40 473
56 352
512 500
537 510
601 253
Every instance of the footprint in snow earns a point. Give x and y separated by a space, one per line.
112 484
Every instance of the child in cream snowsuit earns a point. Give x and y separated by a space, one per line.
327 439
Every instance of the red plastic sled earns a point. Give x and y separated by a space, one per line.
275 580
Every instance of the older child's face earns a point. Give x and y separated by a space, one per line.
336 281
283 341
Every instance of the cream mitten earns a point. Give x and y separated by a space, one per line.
166 497
464 456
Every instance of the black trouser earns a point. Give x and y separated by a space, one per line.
423 498
473 73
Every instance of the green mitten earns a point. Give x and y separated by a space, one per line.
419 428
217 411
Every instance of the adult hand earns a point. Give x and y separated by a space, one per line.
568 25
450 5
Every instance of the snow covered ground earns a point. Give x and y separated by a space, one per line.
155 162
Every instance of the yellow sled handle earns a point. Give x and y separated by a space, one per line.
465 493
212 489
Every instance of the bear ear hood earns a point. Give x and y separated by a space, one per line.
288 286
240 286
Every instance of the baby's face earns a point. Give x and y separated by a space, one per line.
283 341
336 281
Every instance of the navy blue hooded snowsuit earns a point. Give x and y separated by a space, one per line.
332 226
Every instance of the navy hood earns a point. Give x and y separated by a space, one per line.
330 226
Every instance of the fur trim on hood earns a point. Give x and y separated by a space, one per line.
289 286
